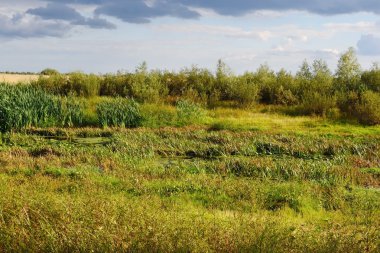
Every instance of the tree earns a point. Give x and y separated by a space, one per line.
348 72
371 78
322 78
49 72
223 80
304 73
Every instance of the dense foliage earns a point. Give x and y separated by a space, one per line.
313 90
119 113
25 106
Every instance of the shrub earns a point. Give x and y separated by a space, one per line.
348 103
145 86
368 110
81 84
119 112
56 84
244 90
49 72
315 103
371 79
115 85
76 83
188 112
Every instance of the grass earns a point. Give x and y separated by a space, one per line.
244 120
190 189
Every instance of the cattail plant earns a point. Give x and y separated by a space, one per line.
119 112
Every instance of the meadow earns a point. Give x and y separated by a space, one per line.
191 161
235 181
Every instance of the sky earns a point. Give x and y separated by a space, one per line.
102 36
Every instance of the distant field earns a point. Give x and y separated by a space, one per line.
17 78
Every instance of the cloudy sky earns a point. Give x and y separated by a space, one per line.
110 35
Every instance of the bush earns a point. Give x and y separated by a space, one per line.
147 86
315 103
244 90
188 112
77 83
368 110
49 72
56 84
81 84
119 112
115 85
371 79
348 103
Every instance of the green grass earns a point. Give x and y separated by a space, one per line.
193 189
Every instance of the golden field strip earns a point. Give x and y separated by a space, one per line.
17 78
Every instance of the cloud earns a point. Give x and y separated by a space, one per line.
58 11
352 27
369 45
227 31
322 7
143 11
137 11
25 26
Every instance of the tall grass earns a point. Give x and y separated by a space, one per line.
119 112
25 106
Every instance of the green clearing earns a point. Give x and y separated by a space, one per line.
235 181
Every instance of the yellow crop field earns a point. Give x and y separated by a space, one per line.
17 78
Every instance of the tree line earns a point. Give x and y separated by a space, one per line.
314 89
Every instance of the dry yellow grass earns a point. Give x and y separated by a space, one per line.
16 78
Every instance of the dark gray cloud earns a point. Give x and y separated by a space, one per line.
57 15
369 45
59 11
138 11
322 7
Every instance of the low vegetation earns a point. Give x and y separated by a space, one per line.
189 189
192 161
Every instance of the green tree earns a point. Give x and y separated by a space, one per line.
49 72
304 72
223 80
348 72
371 78
266 79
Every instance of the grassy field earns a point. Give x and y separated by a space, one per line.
238 181
17 78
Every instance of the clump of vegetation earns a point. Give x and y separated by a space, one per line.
368 109
119 112
188 112
49 72
24 106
